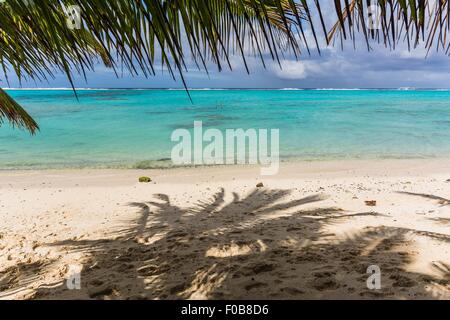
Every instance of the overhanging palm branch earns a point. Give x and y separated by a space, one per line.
390 21
35 41
14 113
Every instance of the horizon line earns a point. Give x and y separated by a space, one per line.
224 88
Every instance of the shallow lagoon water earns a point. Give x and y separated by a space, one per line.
129 128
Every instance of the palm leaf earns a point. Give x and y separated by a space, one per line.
400 20
15 114
35 41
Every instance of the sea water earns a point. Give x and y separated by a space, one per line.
132 128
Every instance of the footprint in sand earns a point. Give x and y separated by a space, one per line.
325 281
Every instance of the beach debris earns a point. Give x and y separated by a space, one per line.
145 179
371 203
448 180
260 185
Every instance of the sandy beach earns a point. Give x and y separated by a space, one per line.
211 233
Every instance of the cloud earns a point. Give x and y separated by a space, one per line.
290 69
328 65
333 68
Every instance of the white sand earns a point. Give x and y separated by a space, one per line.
210 233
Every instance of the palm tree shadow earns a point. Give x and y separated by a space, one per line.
258 246
17 278
442 201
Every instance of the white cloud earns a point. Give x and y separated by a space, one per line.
290 69
308 68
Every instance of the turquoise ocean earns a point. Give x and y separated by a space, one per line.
132 128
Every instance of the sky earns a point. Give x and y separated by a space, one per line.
334 68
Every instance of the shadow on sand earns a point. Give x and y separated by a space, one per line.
257 246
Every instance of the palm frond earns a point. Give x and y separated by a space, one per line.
392 21
35 41
15 114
